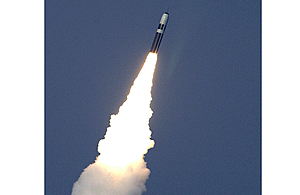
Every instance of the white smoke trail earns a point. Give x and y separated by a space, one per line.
120 168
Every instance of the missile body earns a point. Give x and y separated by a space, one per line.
160 32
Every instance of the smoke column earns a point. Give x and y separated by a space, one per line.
120 168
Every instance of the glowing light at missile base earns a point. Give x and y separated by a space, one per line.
120 168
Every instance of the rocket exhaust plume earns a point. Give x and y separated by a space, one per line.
120 168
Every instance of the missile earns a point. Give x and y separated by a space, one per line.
160 32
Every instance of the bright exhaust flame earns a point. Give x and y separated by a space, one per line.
120 168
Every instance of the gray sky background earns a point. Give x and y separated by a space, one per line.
206 93
22 110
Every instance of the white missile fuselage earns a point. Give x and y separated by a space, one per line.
159 32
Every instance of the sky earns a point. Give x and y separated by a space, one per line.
206 93
23 132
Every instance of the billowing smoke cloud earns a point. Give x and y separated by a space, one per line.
120 168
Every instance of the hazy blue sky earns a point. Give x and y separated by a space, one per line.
206 94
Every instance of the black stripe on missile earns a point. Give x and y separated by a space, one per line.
156 42
160 26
